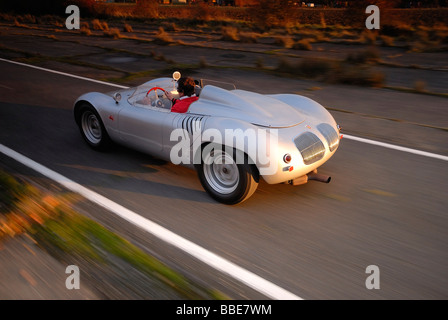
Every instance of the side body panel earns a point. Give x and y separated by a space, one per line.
141 128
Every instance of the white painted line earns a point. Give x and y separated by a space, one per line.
373 142
250 279
64 74
392 146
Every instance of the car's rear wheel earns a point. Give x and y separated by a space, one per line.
224 177
92 128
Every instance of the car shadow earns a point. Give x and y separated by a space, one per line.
51 137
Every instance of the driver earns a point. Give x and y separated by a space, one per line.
185 87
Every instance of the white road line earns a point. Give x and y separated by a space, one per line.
64 74
373 142
250 279
395 147
6 87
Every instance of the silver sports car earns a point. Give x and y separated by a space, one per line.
231 137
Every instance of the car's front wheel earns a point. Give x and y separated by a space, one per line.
226 175
92 128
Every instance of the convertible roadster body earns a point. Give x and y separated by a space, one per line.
231 137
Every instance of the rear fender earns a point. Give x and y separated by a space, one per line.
247 138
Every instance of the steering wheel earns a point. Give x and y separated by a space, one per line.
157 102
155 88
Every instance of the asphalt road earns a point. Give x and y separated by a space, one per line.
383 207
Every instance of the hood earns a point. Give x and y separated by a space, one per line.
248 106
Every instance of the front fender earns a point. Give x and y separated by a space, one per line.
307 106
106 107
96 99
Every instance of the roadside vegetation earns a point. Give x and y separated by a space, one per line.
52 221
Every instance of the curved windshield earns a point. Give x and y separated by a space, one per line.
153 94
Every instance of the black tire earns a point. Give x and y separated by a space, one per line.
92 128
231 182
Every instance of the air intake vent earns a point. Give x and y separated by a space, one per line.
191 124
330 135
311 148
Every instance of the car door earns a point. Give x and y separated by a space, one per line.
141 128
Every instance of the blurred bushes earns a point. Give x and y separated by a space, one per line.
52 222
10 191
357 69
270 13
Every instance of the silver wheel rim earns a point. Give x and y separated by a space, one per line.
221 172
91 127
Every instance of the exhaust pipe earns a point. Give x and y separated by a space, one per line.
318 177
310 176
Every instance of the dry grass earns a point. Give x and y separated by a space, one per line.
310 33
357 75
323 23
333 72
420 29
343 34
112 33
308 68
229 33
27 18
127 28
368 56
85 31
170 26
249 37
387 41
162 37
85 28
19 24
98 25
368 37
285 41
51 20
303 44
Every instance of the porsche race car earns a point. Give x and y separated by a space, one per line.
231 137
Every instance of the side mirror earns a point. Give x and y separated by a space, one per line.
176 75
117 97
